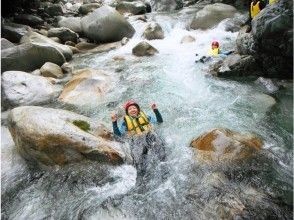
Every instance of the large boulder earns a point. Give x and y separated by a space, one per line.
105 24
6 44
153 31
86 87
135 7
166 5
54 9
235 66
245 42
211 15
31 20
38 39
64 34
14 32
34 51
272 30
29 56
226 145
87 8
21 88
144 49
46 136
73 23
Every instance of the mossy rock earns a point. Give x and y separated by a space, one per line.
85 126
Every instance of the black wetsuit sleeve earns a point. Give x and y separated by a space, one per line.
158 116
262 5
116 131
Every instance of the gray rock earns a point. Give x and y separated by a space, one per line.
245 43
38 39
55 39
236 65
272 30
135 7
105 24
144 49
87 8
29 56
73 23
47 137
187 39
54 9
14 32
268 84
212 15
21 88
166 5
51 70
30 20
153 31
64 34
6 44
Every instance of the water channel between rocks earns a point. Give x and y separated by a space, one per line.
191 103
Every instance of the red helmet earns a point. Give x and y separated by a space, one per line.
129 103
215 43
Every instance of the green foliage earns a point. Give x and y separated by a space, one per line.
85 126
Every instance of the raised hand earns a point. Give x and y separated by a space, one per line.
153 106
113 117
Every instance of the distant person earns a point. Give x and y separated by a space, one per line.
213 52
270 2
136 122
255 7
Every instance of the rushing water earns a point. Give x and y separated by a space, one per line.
191 103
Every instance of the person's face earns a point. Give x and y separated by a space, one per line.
214 46
133 111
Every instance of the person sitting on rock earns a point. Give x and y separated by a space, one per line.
136 122
255 7
214 51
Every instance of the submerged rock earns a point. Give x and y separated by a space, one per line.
46 136
153 31
187 39
144 49
224 144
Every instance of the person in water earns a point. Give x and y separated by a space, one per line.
213 52
136 122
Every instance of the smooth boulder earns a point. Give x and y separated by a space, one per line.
134 7
144 49
21 88
38 39
27 19
13 32
87 8
51 70
212 15
105 24
72 23
6 44
86 87
226 145
153 31
64 34
47 137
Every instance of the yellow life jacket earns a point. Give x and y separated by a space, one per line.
213 52
254 9
139 125
272 1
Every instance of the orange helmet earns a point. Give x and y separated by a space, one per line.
215 43
129 103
